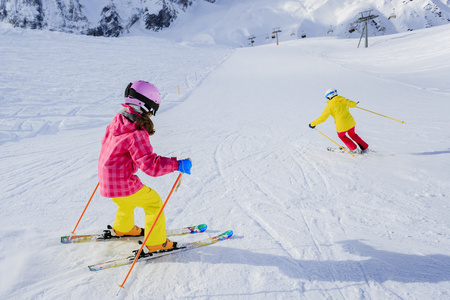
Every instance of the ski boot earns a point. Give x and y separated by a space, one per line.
135 231
167 246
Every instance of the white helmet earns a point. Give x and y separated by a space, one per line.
329 94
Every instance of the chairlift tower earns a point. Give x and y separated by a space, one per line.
251 38
276 31
366 16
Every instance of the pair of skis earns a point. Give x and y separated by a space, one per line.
106 236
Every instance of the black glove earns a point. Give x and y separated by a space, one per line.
311 126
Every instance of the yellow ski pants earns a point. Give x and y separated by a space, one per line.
151 202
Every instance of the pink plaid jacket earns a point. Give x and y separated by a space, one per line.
125 150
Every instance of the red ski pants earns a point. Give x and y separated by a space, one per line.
354 138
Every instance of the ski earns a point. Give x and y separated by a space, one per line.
147 256
331 149
342 150
107 236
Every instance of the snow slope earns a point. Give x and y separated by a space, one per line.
308 223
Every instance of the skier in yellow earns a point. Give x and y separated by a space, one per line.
338 108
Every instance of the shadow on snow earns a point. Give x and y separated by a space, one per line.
380 266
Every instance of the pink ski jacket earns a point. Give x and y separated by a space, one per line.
125 150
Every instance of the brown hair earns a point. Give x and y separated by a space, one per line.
145 123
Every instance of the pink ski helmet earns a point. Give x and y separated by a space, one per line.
143 94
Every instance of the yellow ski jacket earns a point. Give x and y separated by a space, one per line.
338 107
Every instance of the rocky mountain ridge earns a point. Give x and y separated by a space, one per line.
113 18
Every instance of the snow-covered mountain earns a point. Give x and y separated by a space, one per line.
104 17
229 21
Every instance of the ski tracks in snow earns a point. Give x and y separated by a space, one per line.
302 218
299 233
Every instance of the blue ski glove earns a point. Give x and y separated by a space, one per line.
312 127
185 166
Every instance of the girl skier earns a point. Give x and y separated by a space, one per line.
338 107
125 149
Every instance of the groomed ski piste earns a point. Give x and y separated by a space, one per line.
308 223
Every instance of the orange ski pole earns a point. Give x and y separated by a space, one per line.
175 185
73 232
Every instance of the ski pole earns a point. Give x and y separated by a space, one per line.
334 142
73 232
381 115
150 231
